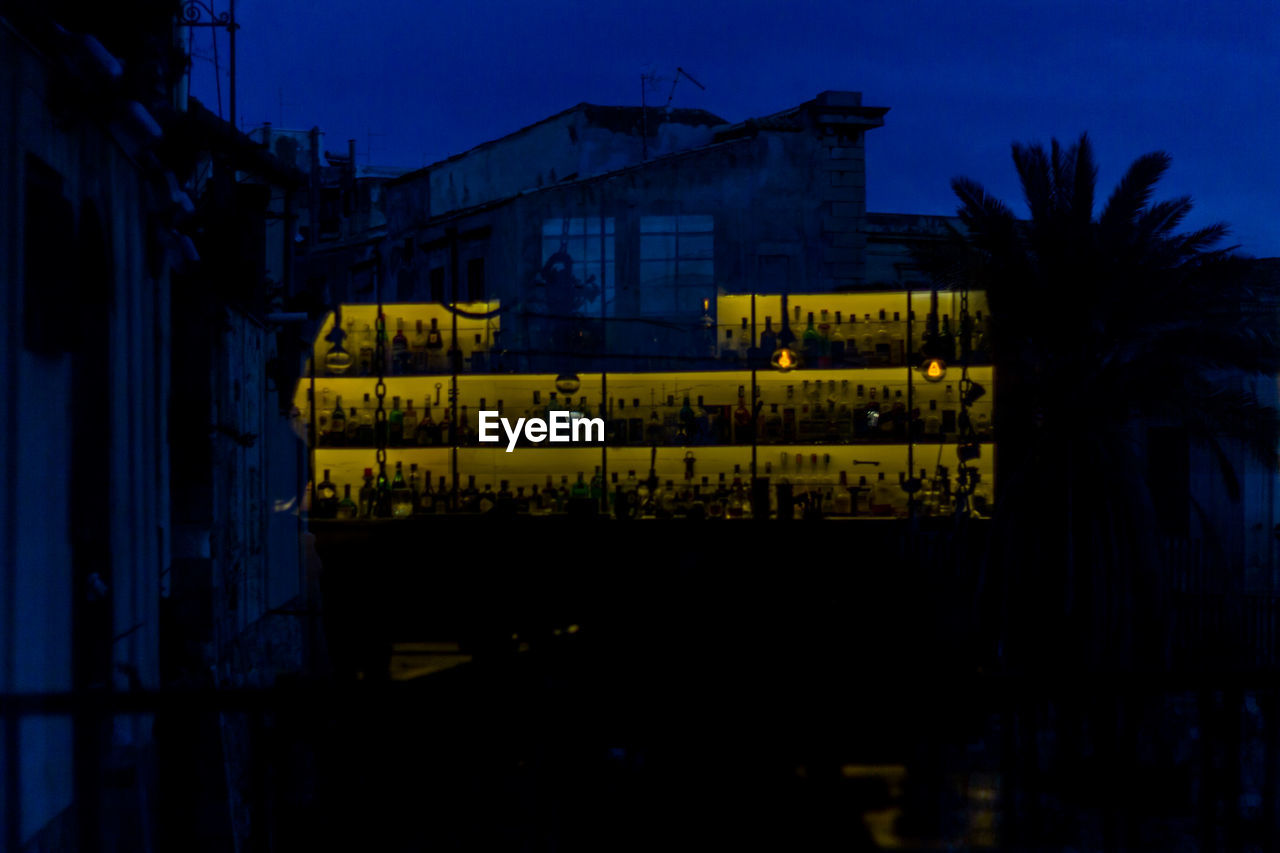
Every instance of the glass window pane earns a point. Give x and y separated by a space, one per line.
653 247
701 246
658 224
696 223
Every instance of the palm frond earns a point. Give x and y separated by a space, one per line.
1133 192
1034 171
1086 180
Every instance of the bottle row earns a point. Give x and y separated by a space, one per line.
817 415
829 339
420 350
824 339
810 496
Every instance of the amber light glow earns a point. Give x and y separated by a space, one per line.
785 359
935 369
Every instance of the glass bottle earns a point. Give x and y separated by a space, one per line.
884 342
364 431
395 424
768 339
338 425
479 354
347 508
842 501
353 428
368 495
326 498
337 361
812 344
399 350
418 349
382 495
835 344
401 494
435 346
364 352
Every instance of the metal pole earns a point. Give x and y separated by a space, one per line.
231 26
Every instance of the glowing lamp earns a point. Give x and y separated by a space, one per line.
567 383
785 359
934 369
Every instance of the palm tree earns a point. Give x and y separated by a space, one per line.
1102 326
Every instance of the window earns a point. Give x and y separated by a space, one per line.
437 284
475 280
677 264
578 264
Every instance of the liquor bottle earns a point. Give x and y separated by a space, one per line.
418 349
884 342
707 342
786 337
862 501
933 421
399 350
742 419
768 339
773 425
401 495
738 506
435 344
464 428
338 425
812 344
364 352
440 497
947 341
368 495
580 489
426 497
716 500
949 410
899 416
871 415
789 416
479 355
426 433
364 432
382 495
886 412
326 498
395 424
728 352
686 423
745 340
836 343
469 499
409 419
842 501
347 508
486 500
867 345
881 497
824 339
635 424
597 485
353 428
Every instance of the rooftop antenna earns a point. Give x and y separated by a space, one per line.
679 73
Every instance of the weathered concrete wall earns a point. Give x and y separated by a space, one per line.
44 579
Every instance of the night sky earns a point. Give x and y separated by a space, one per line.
416 82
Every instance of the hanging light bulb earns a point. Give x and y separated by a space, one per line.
934 369
785 358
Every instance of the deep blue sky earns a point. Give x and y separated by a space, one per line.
421 81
